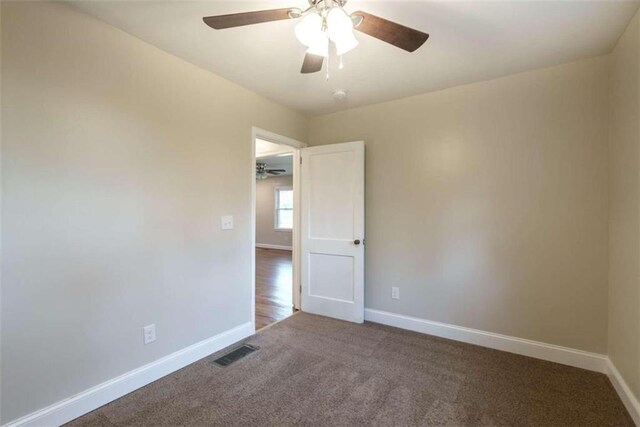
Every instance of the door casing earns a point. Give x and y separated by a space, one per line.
295 234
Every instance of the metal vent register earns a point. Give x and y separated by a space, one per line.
235 355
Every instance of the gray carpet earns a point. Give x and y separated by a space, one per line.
311 370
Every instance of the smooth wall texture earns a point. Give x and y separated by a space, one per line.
266 233
117 162
624 199
487 204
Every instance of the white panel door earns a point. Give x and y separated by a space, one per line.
332 230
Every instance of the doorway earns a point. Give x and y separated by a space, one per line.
276 220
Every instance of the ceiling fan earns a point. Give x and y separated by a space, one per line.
325 23
262 172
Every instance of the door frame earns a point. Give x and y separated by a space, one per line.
257 132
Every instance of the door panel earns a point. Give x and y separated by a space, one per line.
331 195
331 276
332 217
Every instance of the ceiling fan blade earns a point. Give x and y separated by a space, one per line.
311 63
221 22
398 35
276 170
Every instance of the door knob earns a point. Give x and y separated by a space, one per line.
356 242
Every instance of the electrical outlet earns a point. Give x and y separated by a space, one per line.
226 222
395 292
149 333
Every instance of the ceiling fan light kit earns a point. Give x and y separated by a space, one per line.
325 22
340 30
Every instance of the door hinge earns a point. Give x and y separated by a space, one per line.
300 289
300 159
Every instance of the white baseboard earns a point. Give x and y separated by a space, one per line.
268 246
88 400
628 398
539 350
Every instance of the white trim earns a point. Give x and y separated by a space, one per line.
295 233
626 395
539 350
90 399
269 246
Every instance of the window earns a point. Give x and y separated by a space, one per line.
284 208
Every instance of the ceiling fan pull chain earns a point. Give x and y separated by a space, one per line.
327 77
341 65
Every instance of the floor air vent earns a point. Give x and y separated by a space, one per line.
235 355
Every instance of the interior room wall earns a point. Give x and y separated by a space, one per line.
118 161
491 211
266 234
624 199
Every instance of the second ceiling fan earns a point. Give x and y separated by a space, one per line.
323 23
263 172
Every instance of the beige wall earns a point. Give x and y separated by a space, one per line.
487 204
265 212
624 199
118 161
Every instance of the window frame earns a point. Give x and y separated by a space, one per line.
276 208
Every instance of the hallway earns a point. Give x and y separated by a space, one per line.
274 299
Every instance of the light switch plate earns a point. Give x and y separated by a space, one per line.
226 222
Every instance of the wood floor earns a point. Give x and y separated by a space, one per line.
274 299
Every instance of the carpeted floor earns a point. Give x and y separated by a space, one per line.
311 370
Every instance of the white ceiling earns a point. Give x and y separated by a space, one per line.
266 148
470 41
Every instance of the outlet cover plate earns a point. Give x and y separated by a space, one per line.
149 333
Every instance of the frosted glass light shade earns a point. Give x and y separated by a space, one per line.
309 30
320 46
339 25
345 44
